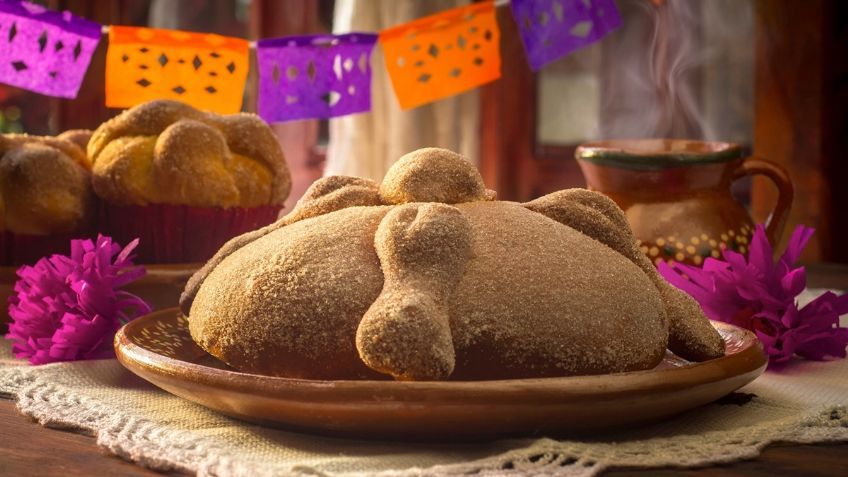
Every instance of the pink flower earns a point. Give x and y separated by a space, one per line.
69 308
759 294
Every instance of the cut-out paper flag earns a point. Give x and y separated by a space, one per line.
204 70
317 76
43 50
443 54
551 29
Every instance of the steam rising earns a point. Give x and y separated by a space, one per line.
679 68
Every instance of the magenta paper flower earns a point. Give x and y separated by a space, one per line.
759 294
69 308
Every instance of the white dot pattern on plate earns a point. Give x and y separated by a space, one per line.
166 337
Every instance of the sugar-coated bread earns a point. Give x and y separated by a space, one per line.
80 137
400 281
45 183
166 152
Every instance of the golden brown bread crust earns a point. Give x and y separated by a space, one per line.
61 143
325 195
545 301
406 333
433 175
168 152
45 184
476 290
319 297
690 334
80 137
290 304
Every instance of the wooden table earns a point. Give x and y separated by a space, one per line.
27 449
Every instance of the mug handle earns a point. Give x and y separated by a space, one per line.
776 222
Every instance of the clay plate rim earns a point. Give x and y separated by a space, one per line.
748 360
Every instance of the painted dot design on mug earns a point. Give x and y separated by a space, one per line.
695 249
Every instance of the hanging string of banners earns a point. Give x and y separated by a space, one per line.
300 77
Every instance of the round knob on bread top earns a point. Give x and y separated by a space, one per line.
433 174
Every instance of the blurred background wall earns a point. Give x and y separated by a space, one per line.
769 75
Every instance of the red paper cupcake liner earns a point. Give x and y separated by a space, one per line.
179 233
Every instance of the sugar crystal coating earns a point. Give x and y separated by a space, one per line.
45 183
168 152
350 286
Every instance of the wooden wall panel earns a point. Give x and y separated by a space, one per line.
800 116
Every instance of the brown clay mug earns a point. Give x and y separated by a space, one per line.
676 194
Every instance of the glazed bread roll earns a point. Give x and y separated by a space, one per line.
166 152
45 183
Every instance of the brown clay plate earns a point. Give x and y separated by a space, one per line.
158 348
